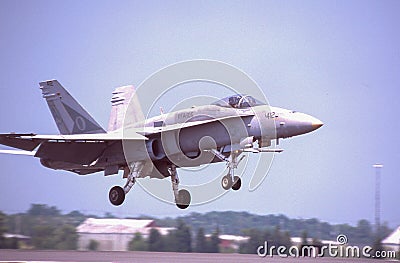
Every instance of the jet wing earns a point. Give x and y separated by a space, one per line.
86 148
74 148
29 141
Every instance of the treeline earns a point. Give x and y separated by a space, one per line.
182 240
45 225
235 223
257 237
178 240
48 228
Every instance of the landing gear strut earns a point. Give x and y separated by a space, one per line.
230 180
117 193
182 197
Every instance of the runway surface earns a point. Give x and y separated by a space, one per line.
143 257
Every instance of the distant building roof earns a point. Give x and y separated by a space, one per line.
299 240
17 236
114 225
393 238
234 238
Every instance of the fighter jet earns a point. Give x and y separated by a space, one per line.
157 146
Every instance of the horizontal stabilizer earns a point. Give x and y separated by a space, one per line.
17 141
78 153
74 148
19 152
91 137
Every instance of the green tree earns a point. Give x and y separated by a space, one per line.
377 245
93 245
267 236
109 215
277 237
385 230
363 233
75 213
137 243
304 242
11 243
65 238
183 237
43 210
304 238
281 239
170 243
255 240
286 241
201 242
3 230
155 241
213 245
49 237
42 237
3 227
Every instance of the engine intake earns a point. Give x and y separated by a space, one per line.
155 149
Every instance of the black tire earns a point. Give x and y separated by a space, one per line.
237 183
116 195
226 182
184 199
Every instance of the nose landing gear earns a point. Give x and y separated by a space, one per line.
237 183
230 180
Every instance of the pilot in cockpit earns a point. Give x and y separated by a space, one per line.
234 101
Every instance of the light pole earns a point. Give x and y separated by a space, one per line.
378 168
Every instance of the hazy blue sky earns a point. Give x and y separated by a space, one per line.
336 60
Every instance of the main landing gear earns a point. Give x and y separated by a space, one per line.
230 180
117 194
182 197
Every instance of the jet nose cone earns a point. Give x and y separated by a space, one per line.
316 124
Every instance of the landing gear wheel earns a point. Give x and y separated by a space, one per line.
226 182
237 183
184 199
116 195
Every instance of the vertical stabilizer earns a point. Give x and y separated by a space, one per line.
122 98
69 115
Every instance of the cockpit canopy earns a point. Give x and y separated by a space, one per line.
238 101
